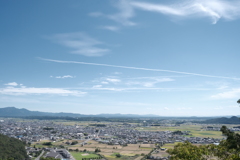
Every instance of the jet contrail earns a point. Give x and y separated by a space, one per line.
137 68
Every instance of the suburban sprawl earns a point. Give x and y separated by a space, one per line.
58 139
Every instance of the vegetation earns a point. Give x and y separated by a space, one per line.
238 101
74 142
47 143
223 120
97 150
48 128
228 149
84 155
12 149
49 158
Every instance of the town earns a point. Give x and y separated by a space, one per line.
109 133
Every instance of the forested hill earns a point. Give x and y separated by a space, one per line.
12 148
223 120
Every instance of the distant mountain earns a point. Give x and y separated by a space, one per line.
16 112
223 120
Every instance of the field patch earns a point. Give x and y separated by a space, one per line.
80 155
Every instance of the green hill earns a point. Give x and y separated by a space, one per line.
12 149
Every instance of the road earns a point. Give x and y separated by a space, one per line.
83 143
38 158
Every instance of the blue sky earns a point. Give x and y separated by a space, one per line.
163 57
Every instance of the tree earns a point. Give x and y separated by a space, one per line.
97 150
74 142
187 151
47 143
229 148
12 148
238 101
118 155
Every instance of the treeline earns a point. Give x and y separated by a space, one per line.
12 149
228 149
97 119
223 120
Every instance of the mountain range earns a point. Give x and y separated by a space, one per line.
16 112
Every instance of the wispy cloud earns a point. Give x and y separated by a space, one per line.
81 44
148 81
123 16
234 93
184 108
110 28
63 77
11 84
166 108
125 13
138 68
214 9
97 86
32 90
113 80
117 73
145 89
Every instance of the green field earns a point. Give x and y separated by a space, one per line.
195 130
81 155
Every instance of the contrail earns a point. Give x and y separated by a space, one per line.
138 68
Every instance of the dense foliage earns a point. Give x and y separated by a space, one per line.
228 149
74 142
12 149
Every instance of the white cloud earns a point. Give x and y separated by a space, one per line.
110 89
11 84
113 80
117 73
126 12
214 9
66 76
104 82
97 86
111 28
149 81
81 43
32 90
166 108
234 93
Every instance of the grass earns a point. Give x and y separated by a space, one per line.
195 130
145 148
80 155
169 145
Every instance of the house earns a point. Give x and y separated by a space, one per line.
54 155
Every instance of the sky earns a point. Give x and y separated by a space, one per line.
161 57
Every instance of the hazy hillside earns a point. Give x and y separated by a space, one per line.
15 112
223 120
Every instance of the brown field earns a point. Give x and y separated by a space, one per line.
108 151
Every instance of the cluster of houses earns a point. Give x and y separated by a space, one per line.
50 153
123 136
112 133
218 128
